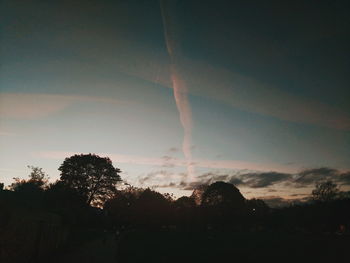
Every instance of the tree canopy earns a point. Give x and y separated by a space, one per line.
325 191
221 194
93 177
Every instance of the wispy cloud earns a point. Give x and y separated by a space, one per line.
173 150
236 90
6 133
250 95
167 161
237 174
179 87
39 105
259 180
303 179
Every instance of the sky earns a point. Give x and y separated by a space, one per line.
179 93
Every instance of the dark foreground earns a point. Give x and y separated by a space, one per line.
210 246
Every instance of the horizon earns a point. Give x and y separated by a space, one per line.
179 94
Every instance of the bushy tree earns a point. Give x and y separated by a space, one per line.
93 177
257 207
221 194
325 191
38 180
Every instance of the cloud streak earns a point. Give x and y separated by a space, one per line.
303 179
167 161
179 88
41 105
229 87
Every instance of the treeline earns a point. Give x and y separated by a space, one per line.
39 218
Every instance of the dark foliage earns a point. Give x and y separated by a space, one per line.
40 221
92 176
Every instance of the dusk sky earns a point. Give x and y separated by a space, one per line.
179 93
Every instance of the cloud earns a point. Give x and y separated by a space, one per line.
259 180
168 161
239 91
344 178
252 180
278 202
313 176
161 179
40 105
305 178
5 133
173 150
275 201
237 176
310 176
179 86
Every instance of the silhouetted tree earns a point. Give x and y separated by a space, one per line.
92 176
185 202
185 209
38 179
30 191
223 204
198 192
65 201
325 191
152 208
120 208
257 206
344 195
221 194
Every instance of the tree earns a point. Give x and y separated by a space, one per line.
66 202
221 194
138 206
93 177
152 208
120 208
325 191
185 210
185 202
38 180
31 191
257 206
198 192
223 204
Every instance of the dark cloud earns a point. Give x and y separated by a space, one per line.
258 180
276 201
311 176
167 158
205 180
253 180
173 150
193 185
236 181
298 194
168 161
305 178
166 185
151 177
344 178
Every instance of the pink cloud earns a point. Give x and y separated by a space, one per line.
40 105
142 160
